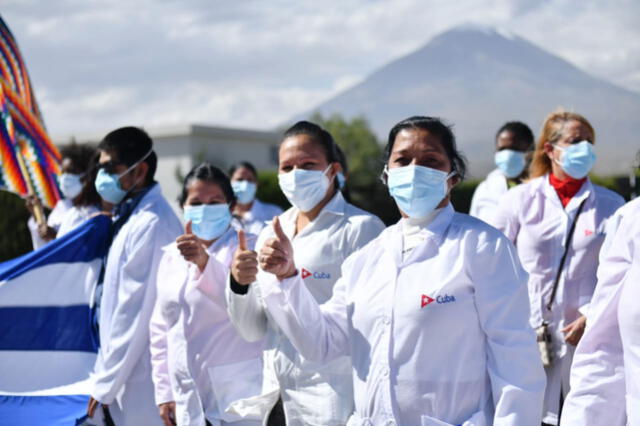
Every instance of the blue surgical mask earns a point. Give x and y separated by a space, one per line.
108 185
208 221
577 159
341 180
244 190
304 188
70 185
511 163
417 189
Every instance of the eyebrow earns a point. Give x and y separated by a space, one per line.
404 151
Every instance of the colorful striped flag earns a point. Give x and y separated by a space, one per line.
27 155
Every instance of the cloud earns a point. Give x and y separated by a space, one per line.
98 64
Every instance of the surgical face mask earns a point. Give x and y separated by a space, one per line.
511 163
417 189
341 180
208 221
577 159
108 185
304 188
244 190
70 185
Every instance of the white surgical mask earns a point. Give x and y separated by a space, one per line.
510 162
577 159
244 190
208 221
70 185
304 188
417 189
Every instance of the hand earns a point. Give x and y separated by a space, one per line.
192 248
31 201
46 232
276 256
244 266
574 331
168 413
92 406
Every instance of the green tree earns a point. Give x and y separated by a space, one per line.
364 158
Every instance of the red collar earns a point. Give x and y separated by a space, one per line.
567 188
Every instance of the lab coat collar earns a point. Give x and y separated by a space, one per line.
433 234
335 206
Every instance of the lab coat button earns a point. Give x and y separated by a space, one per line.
391 423
385 371
386 320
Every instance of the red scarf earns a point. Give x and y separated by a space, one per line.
567 188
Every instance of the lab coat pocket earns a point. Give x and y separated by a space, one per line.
234 382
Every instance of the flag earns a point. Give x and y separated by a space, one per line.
48 344
22 132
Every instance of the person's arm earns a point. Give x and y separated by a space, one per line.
319 333
597 393
158 330
505 217
129 336
513 361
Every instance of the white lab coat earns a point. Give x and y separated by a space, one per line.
486 197
533 218
439 338
312 393
198 359
606 365
122 374
257 217
64 218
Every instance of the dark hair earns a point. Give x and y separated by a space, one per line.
436 127
81 156
318 135
520 131
342 159
207 173
243 165
131 144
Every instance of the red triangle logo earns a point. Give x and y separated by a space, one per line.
305 273
426 300
588 232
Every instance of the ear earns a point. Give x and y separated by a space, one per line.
548 149
141 172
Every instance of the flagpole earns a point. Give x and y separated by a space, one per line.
38 212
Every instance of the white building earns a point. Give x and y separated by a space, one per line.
180 148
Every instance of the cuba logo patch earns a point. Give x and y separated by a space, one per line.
426 300
317 275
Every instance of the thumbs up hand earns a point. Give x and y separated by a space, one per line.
192 248
276 256
244 266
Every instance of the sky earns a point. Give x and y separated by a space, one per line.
98 65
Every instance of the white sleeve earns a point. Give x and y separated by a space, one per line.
129 337
505 217
597 393
158 330
478 204
36 241
513 362
319 333
246 312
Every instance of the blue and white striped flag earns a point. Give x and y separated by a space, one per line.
48 344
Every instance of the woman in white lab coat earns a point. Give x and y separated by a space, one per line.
200 365
433 312
324 230
80 199
538 217
514 141
605 374
252 213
